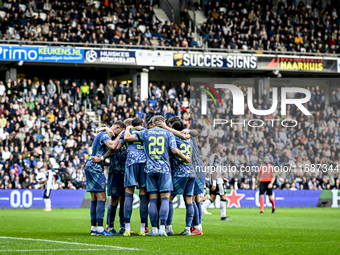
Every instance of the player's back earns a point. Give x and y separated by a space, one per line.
49 176
215 164
98 147
118 160
157 145
135 150
197 166
179 167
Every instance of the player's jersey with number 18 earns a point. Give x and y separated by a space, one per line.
179 167
157 145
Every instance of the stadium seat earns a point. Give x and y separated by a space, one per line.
2 14
11 30
97 4
112 26
54 162
99 112
23 7
223 9
43 16
142 28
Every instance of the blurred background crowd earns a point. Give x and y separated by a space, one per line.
261 25
49 125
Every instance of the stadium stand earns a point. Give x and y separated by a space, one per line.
263 25
98 22
45 124
304 26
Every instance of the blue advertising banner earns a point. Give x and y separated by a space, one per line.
41 54
251 199
110 57
26 198
235 199
283 198
215 60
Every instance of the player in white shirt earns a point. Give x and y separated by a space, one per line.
216 181
48 183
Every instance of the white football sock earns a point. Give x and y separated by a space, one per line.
169 227
162 228
93 228
206 204
127 227
49 203
154 229
100 229
187 228
142 227
45 201
223 207
197 227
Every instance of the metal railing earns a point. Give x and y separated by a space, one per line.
167 7
178 49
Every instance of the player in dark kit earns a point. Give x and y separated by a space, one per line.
267 177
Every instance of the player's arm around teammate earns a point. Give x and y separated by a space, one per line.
180 134
114 147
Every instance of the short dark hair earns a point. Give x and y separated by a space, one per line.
149 124
178 125
215 146
167 122
173 119
137 122
119 123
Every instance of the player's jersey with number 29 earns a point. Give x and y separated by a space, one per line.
157 144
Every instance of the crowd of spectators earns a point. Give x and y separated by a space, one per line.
306 156
273 25
270 25
45 126
97 22
40 128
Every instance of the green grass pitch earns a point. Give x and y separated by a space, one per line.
66 231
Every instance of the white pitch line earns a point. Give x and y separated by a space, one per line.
38 250
53 241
